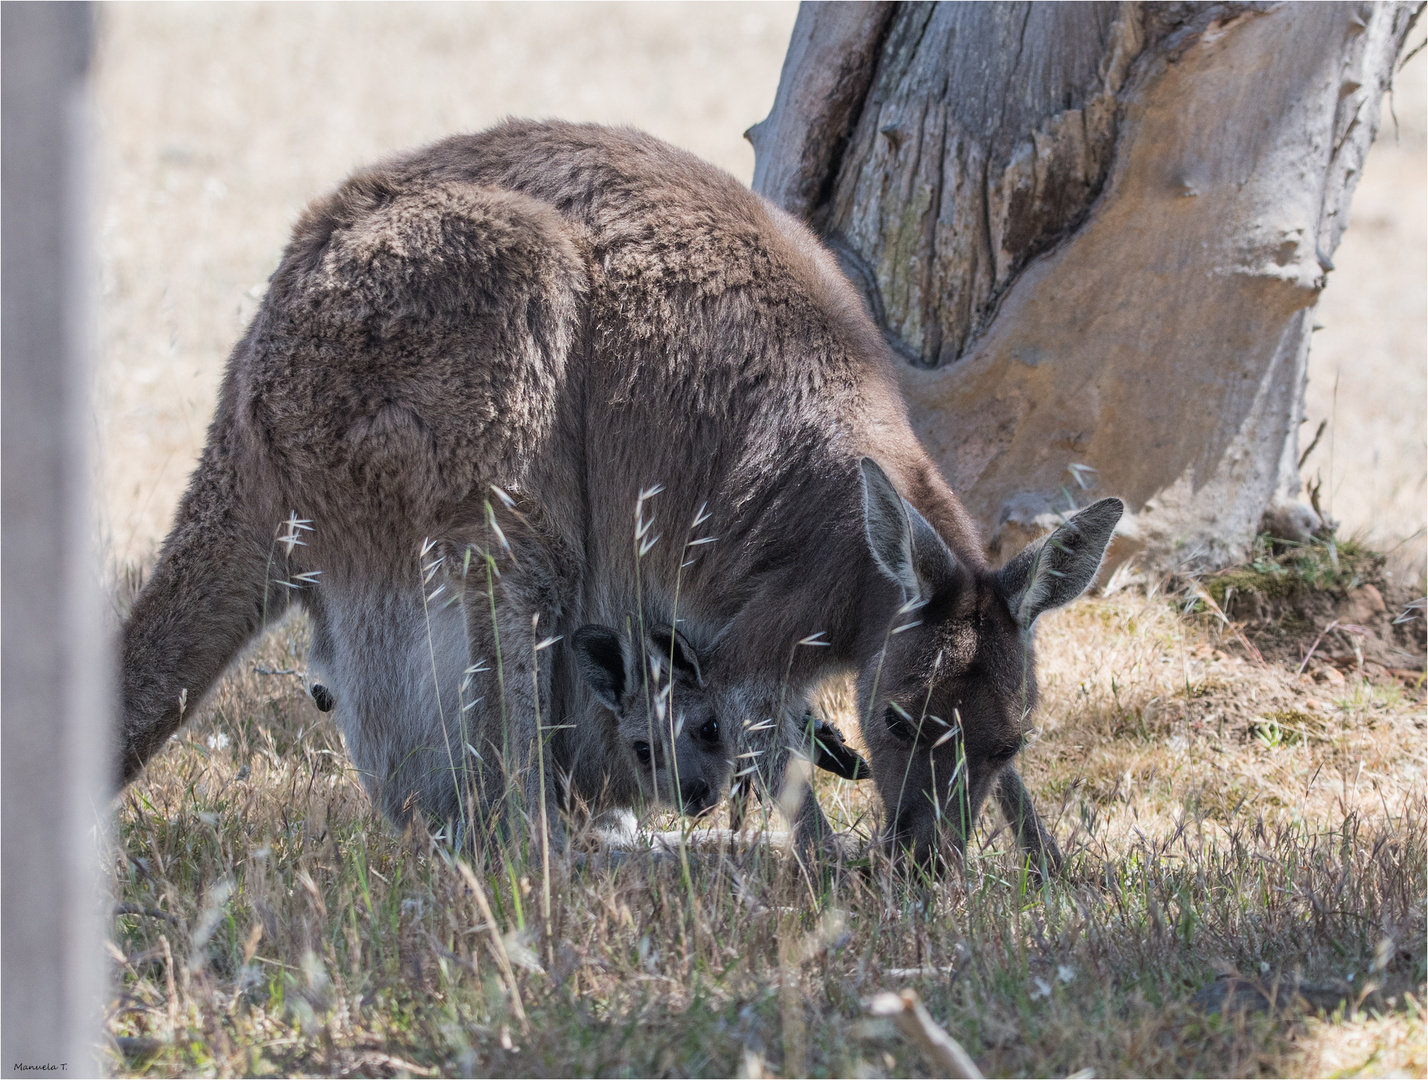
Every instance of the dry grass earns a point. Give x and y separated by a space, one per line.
301 936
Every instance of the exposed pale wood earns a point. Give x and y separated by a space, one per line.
1165 343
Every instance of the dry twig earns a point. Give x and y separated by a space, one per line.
943 1052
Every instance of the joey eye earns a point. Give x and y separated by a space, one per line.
710 731
642 751
897 724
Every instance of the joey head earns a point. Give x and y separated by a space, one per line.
661 744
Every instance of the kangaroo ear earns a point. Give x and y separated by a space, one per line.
904 545
600 659
1054 571
831 753
888 529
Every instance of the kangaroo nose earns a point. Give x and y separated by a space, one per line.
322 697
694 795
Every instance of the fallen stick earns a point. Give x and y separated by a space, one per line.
912 1018
1310 653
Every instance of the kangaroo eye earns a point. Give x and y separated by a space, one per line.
897 724
642 751
1003 754
710 731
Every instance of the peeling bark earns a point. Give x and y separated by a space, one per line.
1096 233
987 134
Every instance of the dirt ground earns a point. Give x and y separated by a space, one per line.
217 123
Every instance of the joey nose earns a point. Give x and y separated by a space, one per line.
694 796
322 697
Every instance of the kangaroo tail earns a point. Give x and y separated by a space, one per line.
220 577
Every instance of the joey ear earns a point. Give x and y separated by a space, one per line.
903 543
600 659
1055 571
675 648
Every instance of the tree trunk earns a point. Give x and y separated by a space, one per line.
1095 233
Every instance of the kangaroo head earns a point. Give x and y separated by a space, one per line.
669 738
945 699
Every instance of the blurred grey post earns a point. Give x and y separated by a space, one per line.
55 761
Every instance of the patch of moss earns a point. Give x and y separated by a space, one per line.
1202 689
1285 727
1280 569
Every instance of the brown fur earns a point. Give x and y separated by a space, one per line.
580 315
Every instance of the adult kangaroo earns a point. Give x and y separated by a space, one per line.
677 375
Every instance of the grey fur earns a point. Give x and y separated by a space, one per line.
456 762
947 704
578 315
